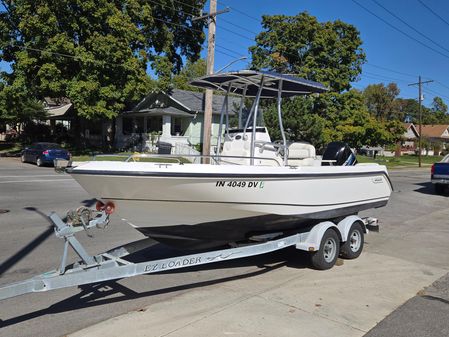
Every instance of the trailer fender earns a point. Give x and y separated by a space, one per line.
311 241
344 226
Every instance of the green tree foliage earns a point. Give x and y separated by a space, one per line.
191 71
381 101
328 52
438 111
96 52
436 114
331 117
17 106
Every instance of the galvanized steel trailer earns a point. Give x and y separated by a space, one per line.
325 241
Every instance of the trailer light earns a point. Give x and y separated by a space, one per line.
99 206
109 208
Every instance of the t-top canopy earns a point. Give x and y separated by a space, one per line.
237 80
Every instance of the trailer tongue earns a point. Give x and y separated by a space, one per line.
322 240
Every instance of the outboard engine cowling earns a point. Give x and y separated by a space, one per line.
339 152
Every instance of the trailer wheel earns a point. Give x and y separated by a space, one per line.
353 246
327 255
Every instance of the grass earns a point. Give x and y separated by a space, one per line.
10 148
403 161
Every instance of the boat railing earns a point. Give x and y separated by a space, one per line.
213 159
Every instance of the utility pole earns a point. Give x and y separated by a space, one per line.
419 84
209 70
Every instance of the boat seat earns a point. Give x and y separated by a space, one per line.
301 154
237 148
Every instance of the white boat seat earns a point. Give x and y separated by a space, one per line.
301 154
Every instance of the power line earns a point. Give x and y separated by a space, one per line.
241 12
238 34
433 12
188 5
442 84
178 24
410 26
435 93
366 73
224 53
399 30
390 70
238 26
229 50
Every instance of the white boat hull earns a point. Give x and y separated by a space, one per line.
226 202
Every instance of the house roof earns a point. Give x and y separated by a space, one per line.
435 131
58 112
411 126
181 103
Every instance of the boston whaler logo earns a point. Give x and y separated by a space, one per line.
377 180
240 184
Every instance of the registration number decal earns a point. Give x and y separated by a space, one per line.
240 184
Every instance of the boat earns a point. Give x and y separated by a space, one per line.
248 187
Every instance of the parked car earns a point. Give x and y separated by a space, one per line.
440 174
44 153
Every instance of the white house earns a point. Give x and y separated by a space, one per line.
175 117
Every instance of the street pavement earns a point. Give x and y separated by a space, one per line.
271 295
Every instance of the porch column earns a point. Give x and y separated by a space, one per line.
166 126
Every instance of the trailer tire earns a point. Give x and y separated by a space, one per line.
327 255
353 246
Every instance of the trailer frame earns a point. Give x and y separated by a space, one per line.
112 265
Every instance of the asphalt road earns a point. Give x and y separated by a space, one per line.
414 227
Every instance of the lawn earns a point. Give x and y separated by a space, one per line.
403 161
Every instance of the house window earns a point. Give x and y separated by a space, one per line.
138 126
133 125
154 124
176 127
127 125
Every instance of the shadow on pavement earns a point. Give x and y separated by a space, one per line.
429 188
94 295
26 250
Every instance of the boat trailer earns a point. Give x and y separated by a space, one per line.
322 240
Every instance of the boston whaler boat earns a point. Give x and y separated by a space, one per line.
250 186
256 195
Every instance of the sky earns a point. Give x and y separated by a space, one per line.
402 39
389 36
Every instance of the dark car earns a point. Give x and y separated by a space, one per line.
44 153
439 175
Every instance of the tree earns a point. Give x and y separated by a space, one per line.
97 52
191 71
381 101
439 110
17 106
328 52
332 117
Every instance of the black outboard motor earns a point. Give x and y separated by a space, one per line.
339 152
